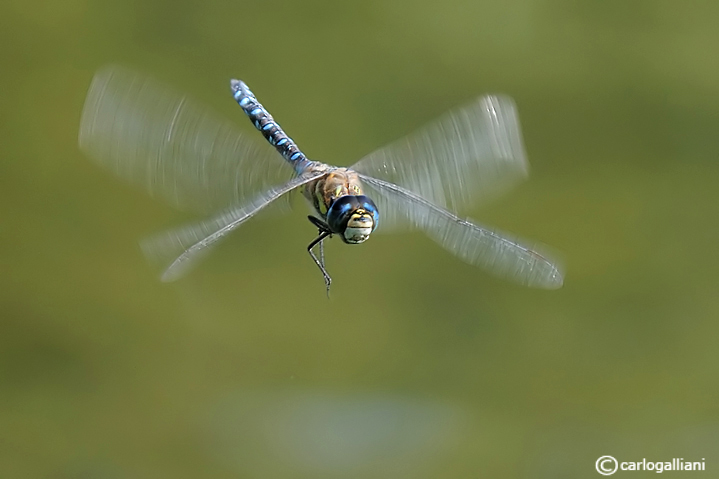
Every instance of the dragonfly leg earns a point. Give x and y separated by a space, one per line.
322 227
322 253
321 262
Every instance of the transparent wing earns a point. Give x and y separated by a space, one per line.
498 253
180 151
182 247
467 156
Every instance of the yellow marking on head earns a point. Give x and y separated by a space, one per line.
358 219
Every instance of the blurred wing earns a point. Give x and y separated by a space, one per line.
496 252
184 246
155 137
468 155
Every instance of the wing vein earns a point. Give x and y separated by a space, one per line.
497 252
195 239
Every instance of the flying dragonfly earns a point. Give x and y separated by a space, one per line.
180 151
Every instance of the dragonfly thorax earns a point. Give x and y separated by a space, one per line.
353 217
338 200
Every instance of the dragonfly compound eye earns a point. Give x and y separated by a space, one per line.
353 218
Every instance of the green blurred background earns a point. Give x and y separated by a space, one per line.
419 365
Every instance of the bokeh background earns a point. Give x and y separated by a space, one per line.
418 365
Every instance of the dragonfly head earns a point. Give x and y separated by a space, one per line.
353 218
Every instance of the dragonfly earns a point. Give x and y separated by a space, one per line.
180 151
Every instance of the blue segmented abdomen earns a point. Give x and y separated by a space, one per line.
269 128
